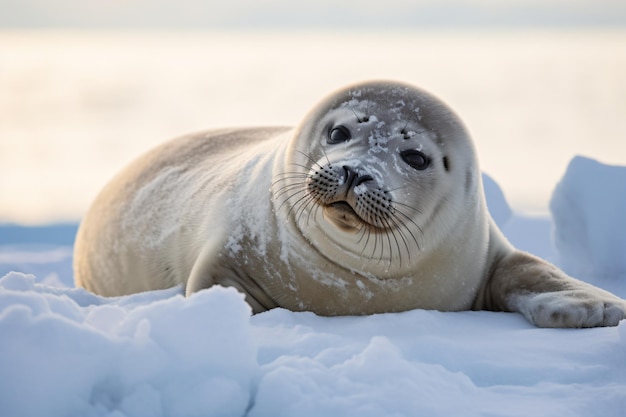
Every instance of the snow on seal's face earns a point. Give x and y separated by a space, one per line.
382 172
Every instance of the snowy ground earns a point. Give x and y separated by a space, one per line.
66 352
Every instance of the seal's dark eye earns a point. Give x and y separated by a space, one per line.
339 134
415 158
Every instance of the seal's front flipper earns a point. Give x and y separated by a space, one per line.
571 308
548 297
212 267
205 266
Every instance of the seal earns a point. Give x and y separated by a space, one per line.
373 204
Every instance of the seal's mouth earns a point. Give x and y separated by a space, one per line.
343 216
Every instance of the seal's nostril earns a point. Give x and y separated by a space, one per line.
349 174
362 179
352 178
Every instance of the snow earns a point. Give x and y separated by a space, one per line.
64 351
589 206
496 202
77 354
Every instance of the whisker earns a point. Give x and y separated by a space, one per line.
305 168
399 226
407 228
355 115
308 206
306 155
362 231
413 209
287 188
299 180
377 236
330 165
303 203
368 232
373 252
390 190
313 161
386 221
295 203
314 210
403 131
282 176
387 234
406 245
382 246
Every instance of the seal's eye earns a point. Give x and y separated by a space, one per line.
339 134
415 158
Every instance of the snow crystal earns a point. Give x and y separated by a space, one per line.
234 240
360 189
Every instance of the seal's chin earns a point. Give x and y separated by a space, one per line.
343 216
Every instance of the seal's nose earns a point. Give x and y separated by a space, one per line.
353 179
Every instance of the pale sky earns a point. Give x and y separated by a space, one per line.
335 14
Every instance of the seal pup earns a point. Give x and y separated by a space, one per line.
373 204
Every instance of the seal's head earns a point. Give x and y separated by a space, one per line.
381 171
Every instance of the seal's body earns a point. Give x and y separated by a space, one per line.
373 204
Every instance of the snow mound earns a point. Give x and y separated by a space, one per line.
589 211
429 363
496 201
527 233
68 352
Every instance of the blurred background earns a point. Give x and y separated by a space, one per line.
87 86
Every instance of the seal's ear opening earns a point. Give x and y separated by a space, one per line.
446 164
